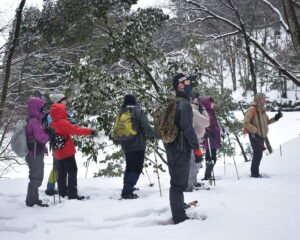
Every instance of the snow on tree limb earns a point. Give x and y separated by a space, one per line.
276 10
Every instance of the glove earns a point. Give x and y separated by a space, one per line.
278 115
198 156
94 133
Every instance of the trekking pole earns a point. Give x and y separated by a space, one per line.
233 157
211 162
150 183
155 157
87 168
223 138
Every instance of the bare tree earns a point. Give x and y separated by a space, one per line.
12 47
293 23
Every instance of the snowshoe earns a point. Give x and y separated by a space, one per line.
191 204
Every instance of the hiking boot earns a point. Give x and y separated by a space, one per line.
77 197
198 185
129 196
51 192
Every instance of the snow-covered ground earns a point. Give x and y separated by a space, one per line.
248 208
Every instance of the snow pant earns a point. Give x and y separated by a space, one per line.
210 162
179 166
134 168
67 169
53 176
257 144
194 169
36 175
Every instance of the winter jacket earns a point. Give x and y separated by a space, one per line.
36 136
213 129
200 122
187 138
138 142
65 129
253 124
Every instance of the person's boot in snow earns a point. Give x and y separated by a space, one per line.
129 196
51 192
77 197
198 184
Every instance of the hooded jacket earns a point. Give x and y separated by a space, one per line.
65 129
259 123
214 129
36 136
200 121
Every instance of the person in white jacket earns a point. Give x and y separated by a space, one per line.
200 122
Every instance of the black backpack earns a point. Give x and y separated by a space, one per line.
56 141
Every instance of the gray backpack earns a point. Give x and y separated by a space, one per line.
19 139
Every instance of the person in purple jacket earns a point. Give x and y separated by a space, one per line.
212 135
36 140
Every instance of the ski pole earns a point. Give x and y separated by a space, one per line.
155 157
233 157
150 183
212 161
223 138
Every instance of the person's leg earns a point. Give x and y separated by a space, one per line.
257 155
209 165
192 174
36 175
134 167
71 167
179 165
62 178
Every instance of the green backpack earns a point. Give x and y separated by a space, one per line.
124 126
164 121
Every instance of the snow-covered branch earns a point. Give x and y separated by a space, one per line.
276 10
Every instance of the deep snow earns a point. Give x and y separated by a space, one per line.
248 208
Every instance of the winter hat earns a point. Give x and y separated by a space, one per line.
180 77
194 94
129 100
57 98
260 95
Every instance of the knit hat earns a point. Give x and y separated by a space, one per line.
260 95
129 100
180 77
194 94
57 98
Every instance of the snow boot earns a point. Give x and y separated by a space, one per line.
51 192
129 196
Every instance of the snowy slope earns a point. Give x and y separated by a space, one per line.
246 209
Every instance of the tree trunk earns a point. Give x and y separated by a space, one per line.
12 47
293 23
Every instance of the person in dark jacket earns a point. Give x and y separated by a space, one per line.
134 149
36 139
212 138
67 167
179 151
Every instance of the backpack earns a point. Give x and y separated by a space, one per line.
55 141
125 127
164 121
245 130
19 139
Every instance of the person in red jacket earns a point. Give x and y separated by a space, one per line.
66 156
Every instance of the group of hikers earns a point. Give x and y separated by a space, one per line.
196 128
